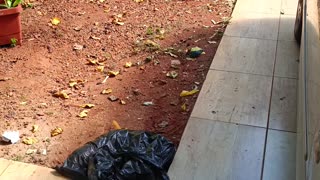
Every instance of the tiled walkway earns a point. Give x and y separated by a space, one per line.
244 122
243 126
13 170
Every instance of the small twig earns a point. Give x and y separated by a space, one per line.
105 80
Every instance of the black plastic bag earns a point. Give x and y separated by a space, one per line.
121 155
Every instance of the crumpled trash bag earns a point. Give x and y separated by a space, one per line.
121 155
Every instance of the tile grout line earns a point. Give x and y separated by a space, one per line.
244 37
270 101
239 124
254 74
10 163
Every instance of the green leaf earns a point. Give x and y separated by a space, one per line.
9 3
3 5
16 3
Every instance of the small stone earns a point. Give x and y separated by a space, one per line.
78 28
43 152
40 114
136 92
77 47
31 151
175 63
42 105
148 103
163 124
113 98
282 98
174 103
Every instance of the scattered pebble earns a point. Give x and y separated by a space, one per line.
148 103
113 98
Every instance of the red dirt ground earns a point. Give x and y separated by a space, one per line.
46 62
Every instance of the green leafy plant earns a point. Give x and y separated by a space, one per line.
10 3
13 42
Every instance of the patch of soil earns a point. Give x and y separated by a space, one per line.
30 74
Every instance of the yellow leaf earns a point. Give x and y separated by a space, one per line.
29 140
107 91
91 62
117 19
55 21
35 128
61 94
113 73
116 125
184 107
24 103
87 106
100 68
56 131
83 113
188 93
95 38
72 83
122 102
138 1
128 64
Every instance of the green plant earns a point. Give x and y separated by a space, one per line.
10 3
13 42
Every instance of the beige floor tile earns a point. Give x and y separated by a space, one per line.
280 160
283 113
258 6
287 59
286 29
245 55
3 165
217 150
289 6
18 171
253 25
234 97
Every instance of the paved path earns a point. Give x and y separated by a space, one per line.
243 126
13 170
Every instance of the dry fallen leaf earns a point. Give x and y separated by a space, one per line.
74 82
35 128
113 73
172 74
77 47
94 62
61 94
56 131
89 106
128 64
184 107
100 68
117 19
138 1
31 151
55 21
29 140
83 113
188 93
123 102
116 125
95 38
107 91
23 103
